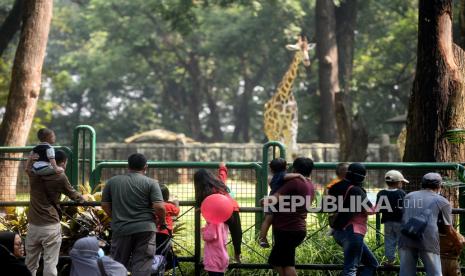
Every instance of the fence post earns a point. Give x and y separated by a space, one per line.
261 190
197 242
92 145
461 177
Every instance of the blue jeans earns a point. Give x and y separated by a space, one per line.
391 239
409 258
355 252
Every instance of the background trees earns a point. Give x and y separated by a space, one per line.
205 68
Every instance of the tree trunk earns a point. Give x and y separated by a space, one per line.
214 122
242 108
437 100
242 114
240 118
11 25
195 102
346 22
326 48
24 87
461 40
353 136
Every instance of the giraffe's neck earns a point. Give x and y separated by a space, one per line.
285 86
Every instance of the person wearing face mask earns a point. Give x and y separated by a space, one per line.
350 225
88 259
11 248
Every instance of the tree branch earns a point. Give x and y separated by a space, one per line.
11 25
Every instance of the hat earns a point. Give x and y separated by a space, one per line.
356 172
434 179
357 168
394 176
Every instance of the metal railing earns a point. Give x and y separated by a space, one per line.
79 135
258 190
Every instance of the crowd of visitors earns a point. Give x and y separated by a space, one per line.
418 225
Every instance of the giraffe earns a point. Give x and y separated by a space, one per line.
280 116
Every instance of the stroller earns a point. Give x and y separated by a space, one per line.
165 259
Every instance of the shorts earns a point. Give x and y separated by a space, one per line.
284 245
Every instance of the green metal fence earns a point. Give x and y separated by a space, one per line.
84 148
14 182
248 182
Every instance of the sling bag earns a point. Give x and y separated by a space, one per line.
332 218
415 227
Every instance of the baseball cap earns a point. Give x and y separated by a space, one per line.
356 172
432 178
394 176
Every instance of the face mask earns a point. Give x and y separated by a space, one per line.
100 252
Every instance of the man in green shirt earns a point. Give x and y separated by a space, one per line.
131 200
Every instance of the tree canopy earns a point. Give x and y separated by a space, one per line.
206 68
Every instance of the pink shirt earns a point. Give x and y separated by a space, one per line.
215 256
360 222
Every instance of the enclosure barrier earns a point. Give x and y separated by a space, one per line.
259 177
261 191
79 135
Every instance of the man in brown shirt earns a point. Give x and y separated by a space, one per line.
44 230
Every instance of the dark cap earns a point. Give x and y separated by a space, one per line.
431 180
357 168
356 172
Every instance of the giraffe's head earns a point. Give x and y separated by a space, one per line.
303 47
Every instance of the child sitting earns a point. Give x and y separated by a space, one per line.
278 169
215 256
45 163
165 230
392 220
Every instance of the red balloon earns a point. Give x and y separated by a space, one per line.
216 208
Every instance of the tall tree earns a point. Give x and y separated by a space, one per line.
353 136
437 100
326 48
24 87
346 22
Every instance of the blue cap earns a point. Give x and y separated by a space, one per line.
432 178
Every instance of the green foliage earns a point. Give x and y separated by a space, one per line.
131 66
385 58
15 221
